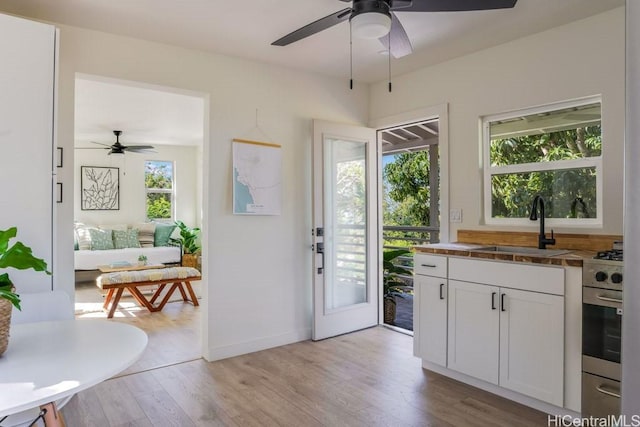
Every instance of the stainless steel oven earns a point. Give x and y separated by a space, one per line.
601 333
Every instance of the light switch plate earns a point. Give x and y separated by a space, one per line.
455 215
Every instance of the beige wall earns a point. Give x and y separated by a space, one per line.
257 269
572 61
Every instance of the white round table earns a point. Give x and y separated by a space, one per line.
47 361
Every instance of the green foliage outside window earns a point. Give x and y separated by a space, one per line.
406 196
568 193
158 206
158 179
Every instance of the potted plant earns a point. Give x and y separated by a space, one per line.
142 260
392 285
20 257
189 241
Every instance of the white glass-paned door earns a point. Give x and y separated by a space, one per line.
345 230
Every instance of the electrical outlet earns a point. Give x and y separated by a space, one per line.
455 215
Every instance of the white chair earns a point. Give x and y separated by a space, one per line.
39 307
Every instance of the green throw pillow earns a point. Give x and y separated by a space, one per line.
162 234
126 239
101 239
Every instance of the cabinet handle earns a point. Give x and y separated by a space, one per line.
502 302
441 287
603 390
603 298
429 265
493 300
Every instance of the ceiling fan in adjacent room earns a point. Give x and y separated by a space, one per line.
372 19
118 148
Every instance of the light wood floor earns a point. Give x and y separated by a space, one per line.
174 333
367 378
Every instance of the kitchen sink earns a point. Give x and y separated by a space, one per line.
522 250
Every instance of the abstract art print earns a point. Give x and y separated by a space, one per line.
100 188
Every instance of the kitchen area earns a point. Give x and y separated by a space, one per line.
540 326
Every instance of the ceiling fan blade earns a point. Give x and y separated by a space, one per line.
315 27
140 150
400 43
451 6
137 147
100 143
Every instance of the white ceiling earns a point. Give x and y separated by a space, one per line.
246 28
145 115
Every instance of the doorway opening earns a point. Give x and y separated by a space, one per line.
154 181
410 181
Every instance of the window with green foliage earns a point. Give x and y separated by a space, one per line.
158 181
554 151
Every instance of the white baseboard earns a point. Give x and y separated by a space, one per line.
502 392
224 352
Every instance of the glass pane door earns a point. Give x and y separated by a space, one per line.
345 229
345 222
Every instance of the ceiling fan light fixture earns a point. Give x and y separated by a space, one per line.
371 25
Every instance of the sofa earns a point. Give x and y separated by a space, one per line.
113 244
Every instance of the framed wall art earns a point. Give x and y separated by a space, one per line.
99 188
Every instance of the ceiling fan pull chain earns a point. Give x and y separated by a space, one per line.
389 56
350 57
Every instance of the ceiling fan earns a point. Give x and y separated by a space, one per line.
118 148
372 19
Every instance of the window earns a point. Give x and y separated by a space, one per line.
554 151
158 182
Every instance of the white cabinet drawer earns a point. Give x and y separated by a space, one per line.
430 265
517 275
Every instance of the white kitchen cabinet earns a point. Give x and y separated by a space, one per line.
532 344
510 335
431 297
27 79
430 308
474 322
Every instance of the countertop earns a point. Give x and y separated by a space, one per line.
572 259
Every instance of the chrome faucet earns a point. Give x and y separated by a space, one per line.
542 239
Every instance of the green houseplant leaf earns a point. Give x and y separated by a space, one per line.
188 238
18 256
392 285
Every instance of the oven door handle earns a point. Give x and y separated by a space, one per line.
603 390
603 298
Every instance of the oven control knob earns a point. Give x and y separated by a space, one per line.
616 278
601 276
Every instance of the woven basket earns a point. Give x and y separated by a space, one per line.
5 323
389 311
190 260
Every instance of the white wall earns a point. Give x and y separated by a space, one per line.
257 270
132 191
572 61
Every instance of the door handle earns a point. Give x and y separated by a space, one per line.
502 302
441 288
611 393
493 300
603 298
320 250
429 265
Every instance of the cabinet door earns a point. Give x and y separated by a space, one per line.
430 304
26 140
532 344
474 322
